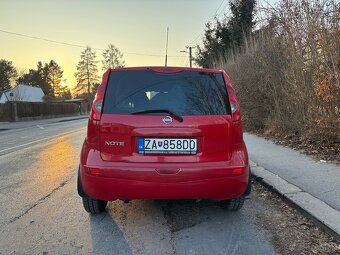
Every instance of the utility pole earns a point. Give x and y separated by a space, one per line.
166 47
190 54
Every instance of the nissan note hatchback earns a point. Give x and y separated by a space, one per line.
164 133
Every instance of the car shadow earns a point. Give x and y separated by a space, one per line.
144 226
176 226
181 214
107 237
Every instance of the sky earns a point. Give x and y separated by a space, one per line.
136 27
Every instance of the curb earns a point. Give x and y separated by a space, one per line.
80 118
318 211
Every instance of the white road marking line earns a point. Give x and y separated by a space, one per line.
42 139
40 127
10 131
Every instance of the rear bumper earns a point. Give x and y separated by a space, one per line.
122 180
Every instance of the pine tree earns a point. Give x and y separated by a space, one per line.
55 75
47 77
112 58
228 35
65 93
241 23
40 77
86 73
7 74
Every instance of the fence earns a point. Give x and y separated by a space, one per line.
14 111
5 112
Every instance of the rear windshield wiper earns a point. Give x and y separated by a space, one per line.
178 117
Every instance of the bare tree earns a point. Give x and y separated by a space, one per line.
287 75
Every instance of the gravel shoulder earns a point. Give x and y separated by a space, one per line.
292 233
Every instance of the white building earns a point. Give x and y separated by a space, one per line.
23 93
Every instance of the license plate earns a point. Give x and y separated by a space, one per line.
167 145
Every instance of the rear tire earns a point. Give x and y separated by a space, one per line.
94 206
233 204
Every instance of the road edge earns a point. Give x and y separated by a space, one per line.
323 215
6 127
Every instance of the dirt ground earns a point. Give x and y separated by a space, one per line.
292 233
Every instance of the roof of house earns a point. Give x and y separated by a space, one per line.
25 93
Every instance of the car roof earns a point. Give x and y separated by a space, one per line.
163 69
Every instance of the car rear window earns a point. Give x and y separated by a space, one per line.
186 93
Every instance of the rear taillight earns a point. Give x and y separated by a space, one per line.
96 109
94 120
93 127
233 107
93 133
237 132
98 106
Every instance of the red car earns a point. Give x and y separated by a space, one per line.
164 133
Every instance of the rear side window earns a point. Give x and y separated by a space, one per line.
186 93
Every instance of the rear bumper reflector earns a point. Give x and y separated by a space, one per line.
94 170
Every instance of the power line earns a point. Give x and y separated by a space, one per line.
200 34
223 9
218 8
81 46
186 63
184 60
43 39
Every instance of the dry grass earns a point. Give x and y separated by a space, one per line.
287 77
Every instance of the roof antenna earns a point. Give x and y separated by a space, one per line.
166 48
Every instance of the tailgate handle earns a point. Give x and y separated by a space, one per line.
167 170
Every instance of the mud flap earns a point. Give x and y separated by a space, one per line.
248 190
80 186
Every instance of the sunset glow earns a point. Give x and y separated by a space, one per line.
136 28
64 83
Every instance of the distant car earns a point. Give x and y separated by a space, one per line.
164 133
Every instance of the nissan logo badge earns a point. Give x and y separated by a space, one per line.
167 120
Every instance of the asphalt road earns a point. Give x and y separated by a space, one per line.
41 213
